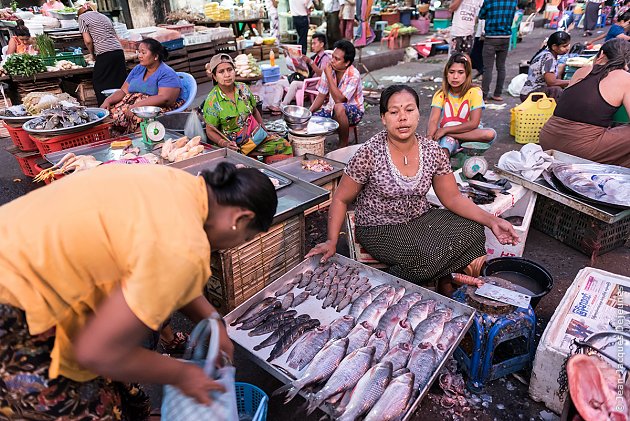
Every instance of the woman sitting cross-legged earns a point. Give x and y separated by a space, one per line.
389 177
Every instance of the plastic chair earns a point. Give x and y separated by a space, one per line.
189 91
308 87
391 39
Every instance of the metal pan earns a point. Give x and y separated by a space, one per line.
577 178
283 181
294 167
279 368
485 187
102 114
18 120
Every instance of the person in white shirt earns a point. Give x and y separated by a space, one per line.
300 9
465 14
274 20
331 8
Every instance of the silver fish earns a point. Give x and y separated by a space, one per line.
398 356
287 301
344 400
253 309
418 312
341 326
289 338
286 288
452 328
393 402
375 310
379 288
345 377
361 304
431 328
322 367
308 346
360 290
359 336
411 299
402 334
306 279
341 293
318 287
367 391
422 363
300 298
260 318
400 372
399 293
330 297
323 293
380 342
392 317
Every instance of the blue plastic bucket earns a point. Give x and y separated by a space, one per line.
251 402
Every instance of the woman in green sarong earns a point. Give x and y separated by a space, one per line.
232 119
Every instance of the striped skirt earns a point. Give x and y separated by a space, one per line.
426 248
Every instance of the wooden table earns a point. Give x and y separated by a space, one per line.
238 26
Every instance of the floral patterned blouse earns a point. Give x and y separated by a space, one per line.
388 197
227 115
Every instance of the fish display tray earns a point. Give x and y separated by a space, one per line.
293 166
102 114
565 173
280 369
540 186
282 181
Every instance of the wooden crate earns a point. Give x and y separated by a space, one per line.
255 51
331 186
83 91
266 49
239 273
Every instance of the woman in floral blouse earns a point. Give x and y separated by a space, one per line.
389 177
232 119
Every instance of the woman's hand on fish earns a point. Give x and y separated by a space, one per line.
504 231
194 382
327 249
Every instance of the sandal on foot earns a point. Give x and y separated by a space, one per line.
496 98
177 345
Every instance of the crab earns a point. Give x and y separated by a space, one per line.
69 162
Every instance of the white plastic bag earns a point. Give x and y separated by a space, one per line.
516 85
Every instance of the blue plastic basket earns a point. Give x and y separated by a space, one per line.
270 73
175 44
251 402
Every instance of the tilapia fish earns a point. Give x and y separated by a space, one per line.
419 311
341 326
253 309
422 363
410 299
289 338
276 321
345 377
392 317
380 342
367 391
393 402
399 292
322 367
375 310
402 334
300 298
282 329
308 346
431 328
359 336
451 330
398 356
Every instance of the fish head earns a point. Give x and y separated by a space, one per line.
367 325
380 334
386 366
404 346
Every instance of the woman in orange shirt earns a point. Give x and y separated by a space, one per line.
21 42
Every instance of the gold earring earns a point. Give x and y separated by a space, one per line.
233 227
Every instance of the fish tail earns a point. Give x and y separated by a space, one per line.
312 404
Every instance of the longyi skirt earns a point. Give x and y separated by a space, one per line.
26 392
427 248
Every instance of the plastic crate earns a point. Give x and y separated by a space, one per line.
20 138
58 143
442 14
530 116
441 23
251 402
40 165
270 73
26 160
175 44
579 230
77 59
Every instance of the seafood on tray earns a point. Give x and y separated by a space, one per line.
14 111
371 361
61 117
317 165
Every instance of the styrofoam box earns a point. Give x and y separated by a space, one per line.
594 300
524 207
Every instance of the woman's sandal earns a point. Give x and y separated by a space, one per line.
496 98
177 345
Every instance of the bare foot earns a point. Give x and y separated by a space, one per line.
496 98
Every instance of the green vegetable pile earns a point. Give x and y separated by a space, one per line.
67 10
402 29
24 65
45 45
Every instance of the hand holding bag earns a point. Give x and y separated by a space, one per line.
179 407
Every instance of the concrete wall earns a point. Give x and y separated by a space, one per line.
142 13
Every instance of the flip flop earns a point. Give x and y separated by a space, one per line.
496 98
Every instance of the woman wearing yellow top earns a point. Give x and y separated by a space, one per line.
119 249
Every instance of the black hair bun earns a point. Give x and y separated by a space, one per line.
221 176
19 22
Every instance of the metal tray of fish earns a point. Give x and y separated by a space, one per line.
294 167
432 315
579 179
17 120
100 114
281 181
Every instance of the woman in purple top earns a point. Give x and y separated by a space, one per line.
388 179
150 83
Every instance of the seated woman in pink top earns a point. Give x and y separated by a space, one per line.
51 5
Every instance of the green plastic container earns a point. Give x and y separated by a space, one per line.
77 59
441 23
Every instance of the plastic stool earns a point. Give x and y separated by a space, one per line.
380 24
356 134
487 332
601 20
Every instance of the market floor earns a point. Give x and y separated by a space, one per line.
504 399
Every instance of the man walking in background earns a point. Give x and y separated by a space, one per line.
331 8
465 14
300 10
498 15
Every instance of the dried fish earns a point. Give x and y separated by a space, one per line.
402 334
341 327
297 279
431 328
306 279
330 297
398 356
300 298
422 363
392 404
308 346
380 342
272 323
345 377
341 293
289 338
253 309
321 368
367 391
287 301
260 317
286 288
418 312
359 336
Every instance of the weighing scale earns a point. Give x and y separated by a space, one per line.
470 159
152 130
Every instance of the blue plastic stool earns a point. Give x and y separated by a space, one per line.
380 24
601 20
488 331
251 401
